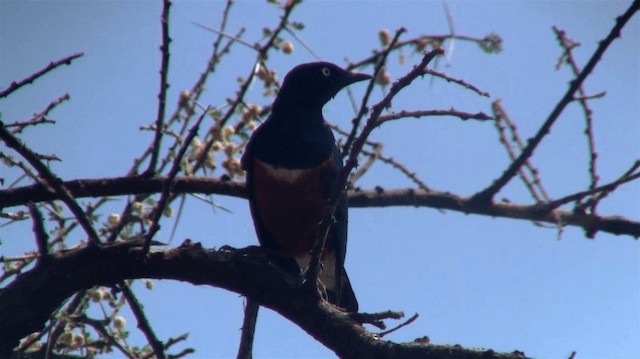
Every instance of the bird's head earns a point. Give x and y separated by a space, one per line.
312 85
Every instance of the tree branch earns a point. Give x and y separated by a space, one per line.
378 197
173 172
27 303
162 95
245 350
487 194
52 65
143 322
53 182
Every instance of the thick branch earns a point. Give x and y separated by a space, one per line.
27 303
359 199
443 200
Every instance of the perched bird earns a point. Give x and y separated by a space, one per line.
292 162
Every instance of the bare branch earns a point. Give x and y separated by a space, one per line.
380 61
352 160
460 82
568 46
424 113
403 324
533 184
537 212
38 118
245 349
52 65
50 180
487 194
162 96
167 188
143 322
628 177
251 275
378 197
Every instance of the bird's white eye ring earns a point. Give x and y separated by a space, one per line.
326 72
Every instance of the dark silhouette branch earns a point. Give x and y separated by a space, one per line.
52 182
380 62
26 304
419 198
52 65
38 118
143 322
528 173
378 197
42 238
167 188
460 82
162 95
568 45
481 116
487 194
245 349
352 160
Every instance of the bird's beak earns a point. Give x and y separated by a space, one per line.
357 77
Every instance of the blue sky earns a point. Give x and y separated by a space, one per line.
475 281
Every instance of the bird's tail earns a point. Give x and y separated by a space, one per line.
346 298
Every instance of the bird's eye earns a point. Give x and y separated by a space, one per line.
326 72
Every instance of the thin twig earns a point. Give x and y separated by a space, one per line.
38 118
599 196
230 37
600 189
162 95
143 322
533 184
245 349
385 159
404 324
52 65
376 319
352 160
302 42
487 194
364 167
533 171
262 55
380 62
460 82
424 113
568 46
100 327
491 41
52 181
173 172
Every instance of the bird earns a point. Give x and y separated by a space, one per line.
292 162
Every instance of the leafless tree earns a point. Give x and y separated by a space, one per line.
46 291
